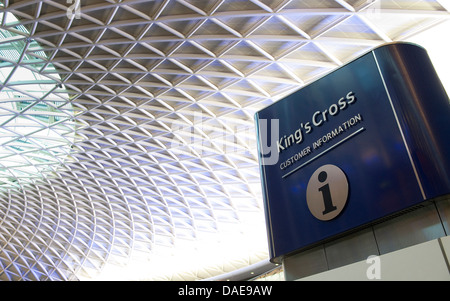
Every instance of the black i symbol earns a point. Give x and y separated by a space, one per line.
325 189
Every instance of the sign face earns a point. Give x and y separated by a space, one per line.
346 150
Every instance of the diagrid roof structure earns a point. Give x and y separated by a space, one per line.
127 145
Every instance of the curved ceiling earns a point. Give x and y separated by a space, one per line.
162 179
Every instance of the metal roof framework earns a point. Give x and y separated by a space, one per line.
161 181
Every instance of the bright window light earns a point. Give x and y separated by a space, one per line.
36 117
438 48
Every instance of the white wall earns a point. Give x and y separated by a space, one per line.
428 261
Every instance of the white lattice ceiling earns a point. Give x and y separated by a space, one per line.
160 179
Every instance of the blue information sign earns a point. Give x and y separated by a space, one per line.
367 140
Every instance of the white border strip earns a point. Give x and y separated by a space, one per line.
325 151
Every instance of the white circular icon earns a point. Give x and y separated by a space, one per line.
327 192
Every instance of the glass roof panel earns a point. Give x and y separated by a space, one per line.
36 116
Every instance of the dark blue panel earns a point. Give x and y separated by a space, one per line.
364 122
423 110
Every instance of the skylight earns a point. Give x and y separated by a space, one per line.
36 117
